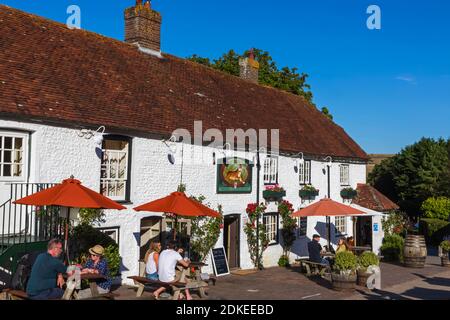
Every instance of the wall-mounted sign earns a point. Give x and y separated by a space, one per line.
234 175
375 227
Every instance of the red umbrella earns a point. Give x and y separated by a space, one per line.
178 204
326 208
70 193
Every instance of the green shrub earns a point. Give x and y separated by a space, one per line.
445 245
83 237
434 230
392 248
283 261
436 208
367 259
344 261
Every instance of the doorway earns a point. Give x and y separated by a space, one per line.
364 232
231 236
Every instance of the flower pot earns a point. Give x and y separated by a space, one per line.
270 195
445 261
362 277
348 193
344 282
308 194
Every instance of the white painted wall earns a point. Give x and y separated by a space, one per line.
56 153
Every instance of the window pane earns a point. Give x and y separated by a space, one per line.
17 170
7 156
18 157
1 142
7 170
18 142
8 142
122 166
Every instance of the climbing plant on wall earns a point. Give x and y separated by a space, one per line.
255 212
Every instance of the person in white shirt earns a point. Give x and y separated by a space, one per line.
167 262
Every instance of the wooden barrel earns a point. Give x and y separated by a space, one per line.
414 251
444 261
343 282
362 278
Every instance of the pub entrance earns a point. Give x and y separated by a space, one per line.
231 239
364 231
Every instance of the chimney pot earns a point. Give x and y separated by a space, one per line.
249 68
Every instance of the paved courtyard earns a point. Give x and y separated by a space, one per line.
398 282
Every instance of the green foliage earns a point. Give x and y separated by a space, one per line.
392 248
434 230
414 175
345 261
445 245
287 79
327 113
91 216
283 261
348 193
255 212
436 208
367 259
181 187
285 210
205 232
395 223
84 236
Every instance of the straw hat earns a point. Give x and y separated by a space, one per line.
98 250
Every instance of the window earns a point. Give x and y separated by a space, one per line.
344 175
304 173
13 156
341 225
113 233
302 226
114 169
271 170
271 224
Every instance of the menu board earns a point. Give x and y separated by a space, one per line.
220 262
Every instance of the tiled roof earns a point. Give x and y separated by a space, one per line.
371 198
76 77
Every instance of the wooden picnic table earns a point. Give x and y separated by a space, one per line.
196 282
92 278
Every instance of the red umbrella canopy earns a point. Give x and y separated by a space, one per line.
326 207
179 204
71 193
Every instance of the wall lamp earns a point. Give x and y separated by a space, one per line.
329 163
96 134
225 153
171 153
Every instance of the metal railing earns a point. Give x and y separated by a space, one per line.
26 224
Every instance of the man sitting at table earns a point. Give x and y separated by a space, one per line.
315 249
46 278
167 262
96 265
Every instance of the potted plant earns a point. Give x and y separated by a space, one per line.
348 193
366 260
445 247
344 271
308 192
274 193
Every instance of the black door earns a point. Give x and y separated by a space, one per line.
364 232
231 239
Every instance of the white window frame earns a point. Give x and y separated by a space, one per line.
12 134
340 223
270 221
300 221
344 174
304 173
270 172
116 231
125 179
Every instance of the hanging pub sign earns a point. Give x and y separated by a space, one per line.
234 175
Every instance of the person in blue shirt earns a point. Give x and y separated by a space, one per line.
315 250
46 278
98 265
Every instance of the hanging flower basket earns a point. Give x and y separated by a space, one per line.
348 193
308 193
274 193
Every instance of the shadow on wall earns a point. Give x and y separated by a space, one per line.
321 228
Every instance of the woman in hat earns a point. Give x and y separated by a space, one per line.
98 265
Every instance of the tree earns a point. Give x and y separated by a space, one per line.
327 113
285 209
413 175
287 79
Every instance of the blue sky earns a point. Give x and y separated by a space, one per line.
387 88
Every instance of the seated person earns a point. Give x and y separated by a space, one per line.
315 250
168 260
46 278
342 245
151 261
97 265
350 243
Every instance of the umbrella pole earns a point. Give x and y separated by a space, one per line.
67 236
329 232
175 228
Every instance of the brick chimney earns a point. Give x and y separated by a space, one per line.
249 68
143 26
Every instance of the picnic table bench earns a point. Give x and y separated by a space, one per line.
312 268
15 294
141 282
71 293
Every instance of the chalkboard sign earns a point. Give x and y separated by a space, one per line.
220 262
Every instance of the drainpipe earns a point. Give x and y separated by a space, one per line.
258 169
328 217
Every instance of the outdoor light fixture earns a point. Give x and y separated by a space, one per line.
171 153
329 163
300 161
97 135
